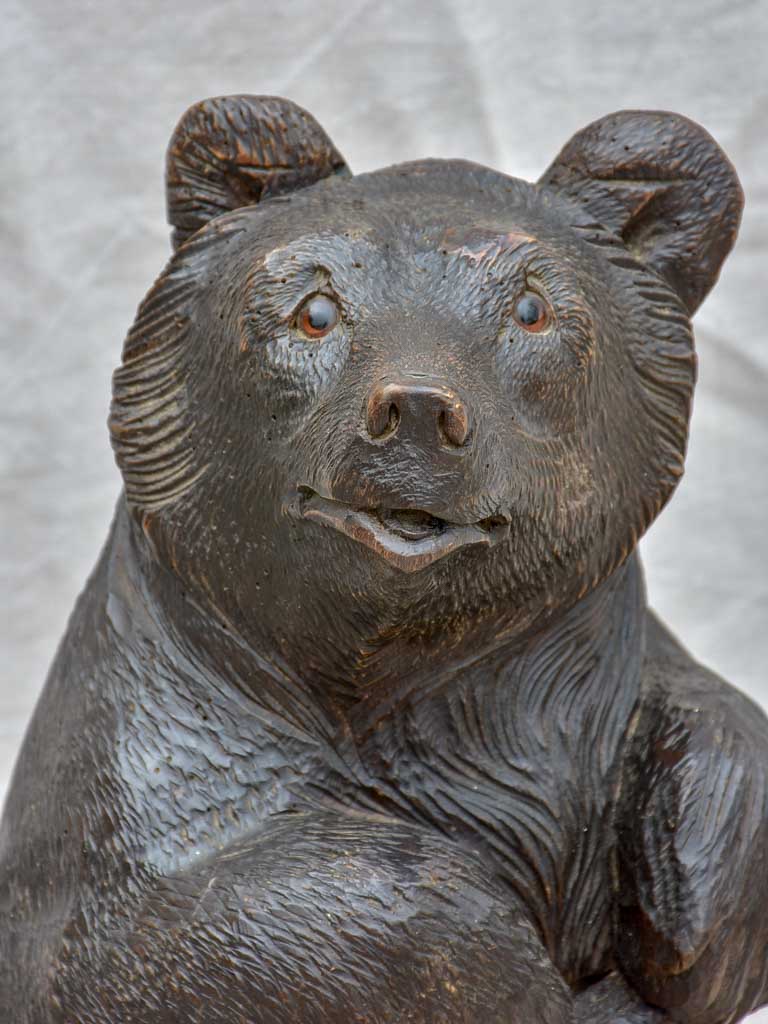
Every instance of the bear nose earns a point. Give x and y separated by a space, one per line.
430 410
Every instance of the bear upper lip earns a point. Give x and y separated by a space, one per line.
408 538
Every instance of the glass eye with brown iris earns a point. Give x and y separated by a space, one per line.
317 316
532 313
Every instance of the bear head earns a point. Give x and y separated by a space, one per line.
419 397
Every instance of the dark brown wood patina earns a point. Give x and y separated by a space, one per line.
362 715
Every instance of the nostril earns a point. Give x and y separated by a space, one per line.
383 415
453 423
393 418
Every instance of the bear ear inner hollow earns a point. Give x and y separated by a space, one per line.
234 151
663 185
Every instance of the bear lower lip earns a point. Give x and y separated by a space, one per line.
408 539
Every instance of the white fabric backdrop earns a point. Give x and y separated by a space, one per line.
91 92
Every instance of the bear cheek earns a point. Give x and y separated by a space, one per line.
549 391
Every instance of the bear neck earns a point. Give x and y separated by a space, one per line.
369 679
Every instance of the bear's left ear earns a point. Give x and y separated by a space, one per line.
663 185
234 151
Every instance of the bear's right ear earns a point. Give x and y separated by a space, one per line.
234 151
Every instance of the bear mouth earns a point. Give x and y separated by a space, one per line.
408 538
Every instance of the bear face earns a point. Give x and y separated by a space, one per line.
429 394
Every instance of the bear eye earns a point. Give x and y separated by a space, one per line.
317 316
532 313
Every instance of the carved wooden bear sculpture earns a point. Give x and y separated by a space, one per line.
363 716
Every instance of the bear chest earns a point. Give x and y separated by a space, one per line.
529 791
